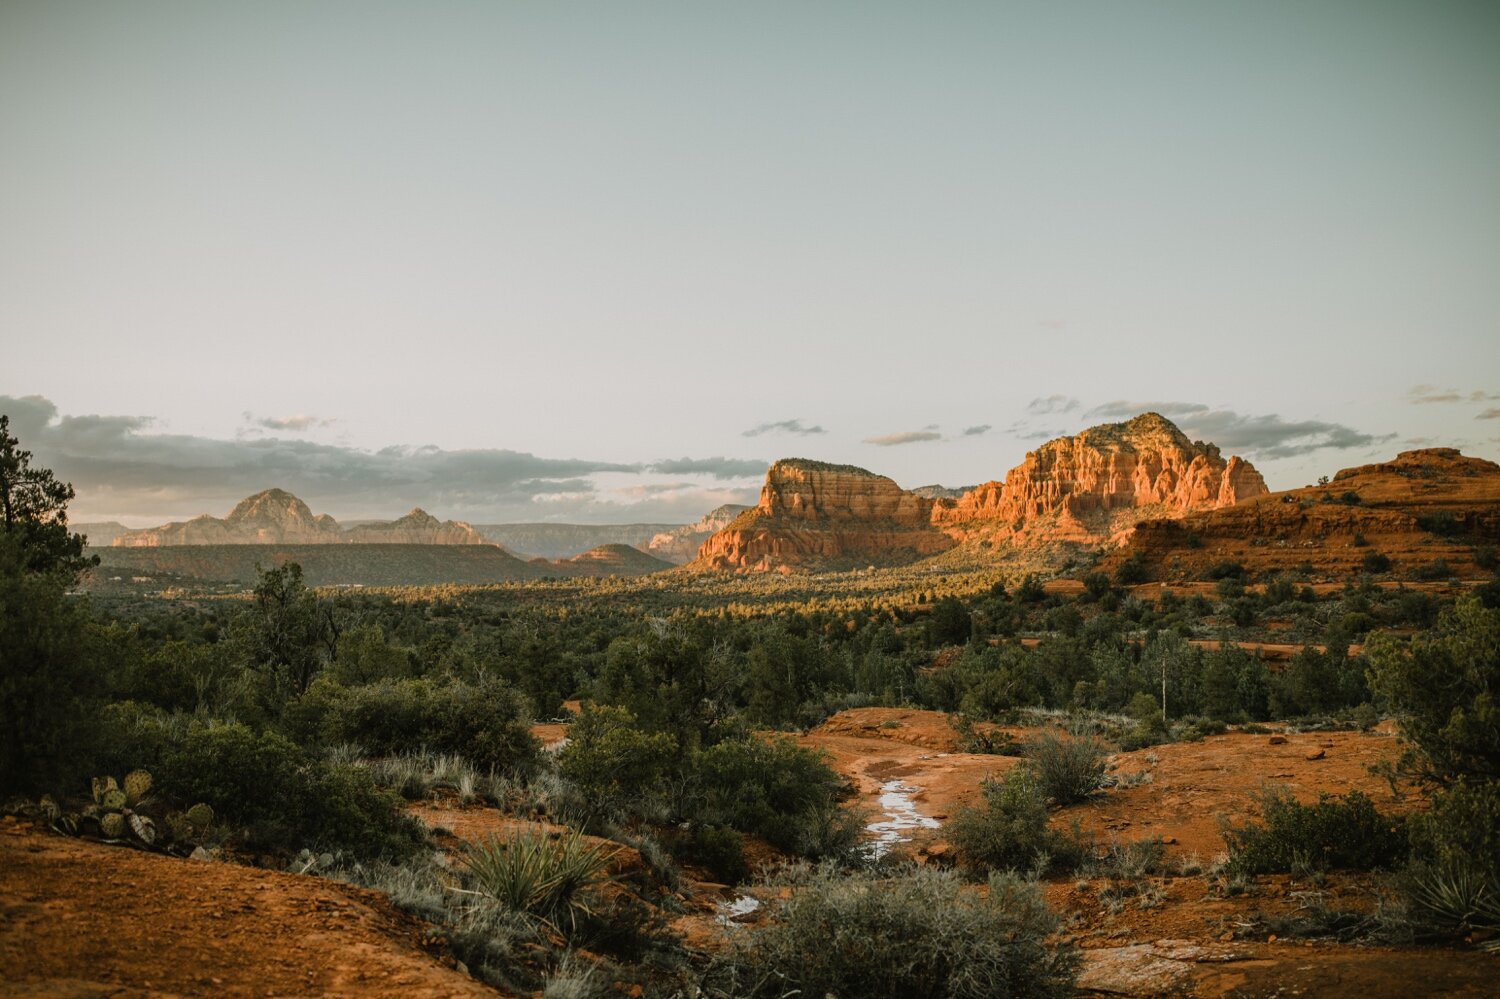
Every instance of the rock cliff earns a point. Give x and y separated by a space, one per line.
813 514
416 528
1089 489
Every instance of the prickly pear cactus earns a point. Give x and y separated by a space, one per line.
113 801
201 816
137 783
48 808
180 827
112 825
103 785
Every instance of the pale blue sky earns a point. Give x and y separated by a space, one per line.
619 235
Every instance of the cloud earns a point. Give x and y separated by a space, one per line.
719 468
1052 404
1420 394
1493 413
983 428
120 470
1267 436
783 427
300 421
905 437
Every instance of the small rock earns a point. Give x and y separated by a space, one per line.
1316 754
1169 840
1277 740
200 854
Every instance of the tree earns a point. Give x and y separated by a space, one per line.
291 632
34 508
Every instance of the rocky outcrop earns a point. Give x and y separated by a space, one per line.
1091 488
817 515
416 528
1395 520
607 560
681 544
562 541
1077 488
276 517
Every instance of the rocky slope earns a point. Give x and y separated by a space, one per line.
1422 508
814 514
681 544
276 517
1087 489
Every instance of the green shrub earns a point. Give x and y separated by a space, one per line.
1376 562
1009 831
1068 768
919 932
488 723
719 850
773 788
556 881
1330 834
1455 883
620 768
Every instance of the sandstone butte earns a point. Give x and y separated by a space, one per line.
1090 488
681 544
276 517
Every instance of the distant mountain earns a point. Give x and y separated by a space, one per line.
607 560
554 541
940 492
681 544
322 564
1087 489
99 534
276 517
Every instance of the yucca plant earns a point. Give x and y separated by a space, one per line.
555 881
1456 895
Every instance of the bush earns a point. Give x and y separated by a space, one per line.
1070 768
619 768
719 850
1443 688
1375 562
775 789
1132 570
488 723
557 882
1328 835
264 783
1009 832
1455 884
917 933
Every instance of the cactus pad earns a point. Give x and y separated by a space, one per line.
201 816
137 783
112 825
113 800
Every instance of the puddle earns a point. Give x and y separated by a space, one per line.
731 909
901 817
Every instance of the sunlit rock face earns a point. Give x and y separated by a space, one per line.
1074 488
1090 488
681 544
813 514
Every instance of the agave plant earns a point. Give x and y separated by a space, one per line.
1457 895
554 881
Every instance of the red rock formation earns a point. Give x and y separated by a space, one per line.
814 514
1071 487
1090 488
681 544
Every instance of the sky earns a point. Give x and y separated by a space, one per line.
603 262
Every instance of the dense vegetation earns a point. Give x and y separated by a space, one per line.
301 718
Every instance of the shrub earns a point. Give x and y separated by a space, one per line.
1009 831
1226 570
719 850
619 768
1455 884
1132 570
1328 835
488 723
1443 688
554 881
1438 569
776 789
1070 768
917 933
1375 562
